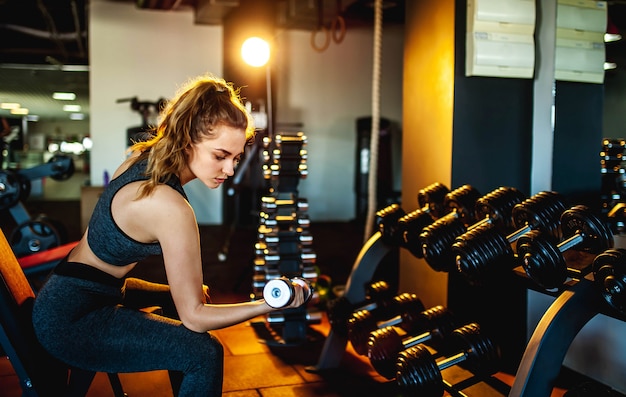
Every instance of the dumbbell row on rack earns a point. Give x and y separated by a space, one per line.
384 344
419 373
413 318
543 259
484 252
493 208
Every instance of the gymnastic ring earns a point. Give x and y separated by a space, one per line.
342 29
326 42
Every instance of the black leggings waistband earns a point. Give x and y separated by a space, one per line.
86 272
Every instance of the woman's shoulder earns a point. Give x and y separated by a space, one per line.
126 164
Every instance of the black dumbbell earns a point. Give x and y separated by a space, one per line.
412 320
459 206
279 292
431 200
339 310
418 373
609 273
390 222
386 220
437 239
362 322
485 252
384 344
542 258
10 189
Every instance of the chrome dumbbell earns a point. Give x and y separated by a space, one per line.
279 292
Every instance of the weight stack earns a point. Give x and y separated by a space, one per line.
284 244
612 171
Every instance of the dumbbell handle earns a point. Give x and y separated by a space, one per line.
452 360
420 338
570 242
279 292
518 233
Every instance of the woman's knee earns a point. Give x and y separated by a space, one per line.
207 353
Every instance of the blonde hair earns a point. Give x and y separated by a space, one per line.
199 106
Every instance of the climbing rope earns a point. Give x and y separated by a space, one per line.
373 162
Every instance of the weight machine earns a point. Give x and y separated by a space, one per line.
40 234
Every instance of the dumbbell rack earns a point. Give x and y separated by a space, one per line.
577 302
612 173
284 243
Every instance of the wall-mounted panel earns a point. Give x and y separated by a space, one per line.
500 38
580 52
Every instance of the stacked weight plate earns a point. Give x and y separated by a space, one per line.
612 171
284 244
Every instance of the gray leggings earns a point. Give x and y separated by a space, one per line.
91 320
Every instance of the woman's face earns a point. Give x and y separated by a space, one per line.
213 160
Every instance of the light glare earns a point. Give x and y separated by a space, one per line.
64 96
255 51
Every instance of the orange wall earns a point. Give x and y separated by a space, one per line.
428 93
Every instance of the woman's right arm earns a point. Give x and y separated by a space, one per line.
174 225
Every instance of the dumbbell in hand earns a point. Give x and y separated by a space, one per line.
280 292
419 374
484 253
386 343
413 319
543 260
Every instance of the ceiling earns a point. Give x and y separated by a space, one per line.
43 49
44 43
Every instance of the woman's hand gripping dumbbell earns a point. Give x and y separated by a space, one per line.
285 293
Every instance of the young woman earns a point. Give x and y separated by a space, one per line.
84 314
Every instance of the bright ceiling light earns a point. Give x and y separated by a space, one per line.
64 96
610 65
9 105
20 111
77 116
255 51
71 108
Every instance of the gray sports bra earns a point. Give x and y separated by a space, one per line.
105 238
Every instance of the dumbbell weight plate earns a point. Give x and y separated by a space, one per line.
609 270
387 223
541 259
340 309
363 321
33 236
419 374
432 197
10 189
277 292
61 172
579 219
